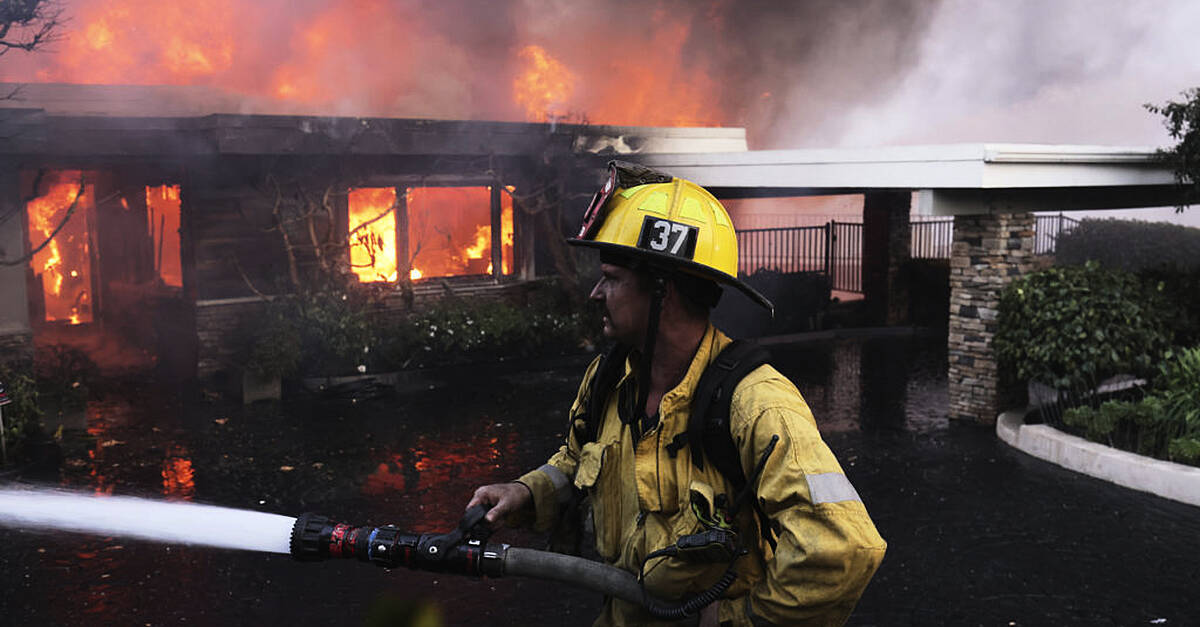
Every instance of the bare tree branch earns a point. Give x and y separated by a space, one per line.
67 218
28 25
246 279
293 272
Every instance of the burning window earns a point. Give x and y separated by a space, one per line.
162 208
448 232
63 266
373 233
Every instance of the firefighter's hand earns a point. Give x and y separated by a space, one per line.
503 499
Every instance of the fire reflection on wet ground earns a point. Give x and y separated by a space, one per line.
978 533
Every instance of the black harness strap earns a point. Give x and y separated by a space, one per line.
708 425
608 373
708 422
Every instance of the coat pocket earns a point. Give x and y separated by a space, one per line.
591 460
599 474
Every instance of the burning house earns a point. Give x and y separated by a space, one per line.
149 213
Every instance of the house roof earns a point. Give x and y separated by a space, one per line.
136 120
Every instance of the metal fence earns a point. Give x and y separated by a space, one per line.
833 249
1047 230
931 239
845 261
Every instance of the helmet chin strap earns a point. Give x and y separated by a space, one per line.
652 320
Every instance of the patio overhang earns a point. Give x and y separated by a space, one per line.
952 179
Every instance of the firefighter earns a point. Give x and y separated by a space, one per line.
805 545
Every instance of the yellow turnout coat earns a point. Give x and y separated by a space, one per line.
643 499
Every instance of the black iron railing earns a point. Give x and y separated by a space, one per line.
833 249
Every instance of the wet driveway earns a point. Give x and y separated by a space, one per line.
979 534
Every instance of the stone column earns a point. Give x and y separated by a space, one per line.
988 252
16 336
885 248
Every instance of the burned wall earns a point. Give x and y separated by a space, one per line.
258 227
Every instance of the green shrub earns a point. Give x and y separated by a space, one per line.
22 417
314 333
1181 290
275 349
1072 327
1130 245
1179 382
1165 424
63 373
455 331
1185 450
1139 426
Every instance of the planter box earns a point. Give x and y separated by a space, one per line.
357 385
256 388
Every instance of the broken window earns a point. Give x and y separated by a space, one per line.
430 232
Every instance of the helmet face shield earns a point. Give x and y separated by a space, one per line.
597 210
621 175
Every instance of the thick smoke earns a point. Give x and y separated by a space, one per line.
1070 71
795 74
764 65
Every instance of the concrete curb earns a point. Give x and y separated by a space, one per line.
1166 479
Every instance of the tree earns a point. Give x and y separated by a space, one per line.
27 25
1182 120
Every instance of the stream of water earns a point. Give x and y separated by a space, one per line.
160 521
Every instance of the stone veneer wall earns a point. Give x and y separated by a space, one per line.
987 253
216 324
16 350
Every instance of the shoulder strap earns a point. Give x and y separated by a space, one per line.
604 381
708 424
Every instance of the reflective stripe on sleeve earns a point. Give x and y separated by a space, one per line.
830 487
562 485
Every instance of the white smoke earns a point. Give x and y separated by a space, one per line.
1067 71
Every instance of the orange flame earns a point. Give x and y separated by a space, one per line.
544 86
373 234
147 41
371 57
65 263
483 242
162 204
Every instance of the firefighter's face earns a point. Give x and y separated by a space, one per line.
626 302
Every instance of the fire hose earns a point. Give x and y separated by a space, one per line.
465 551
